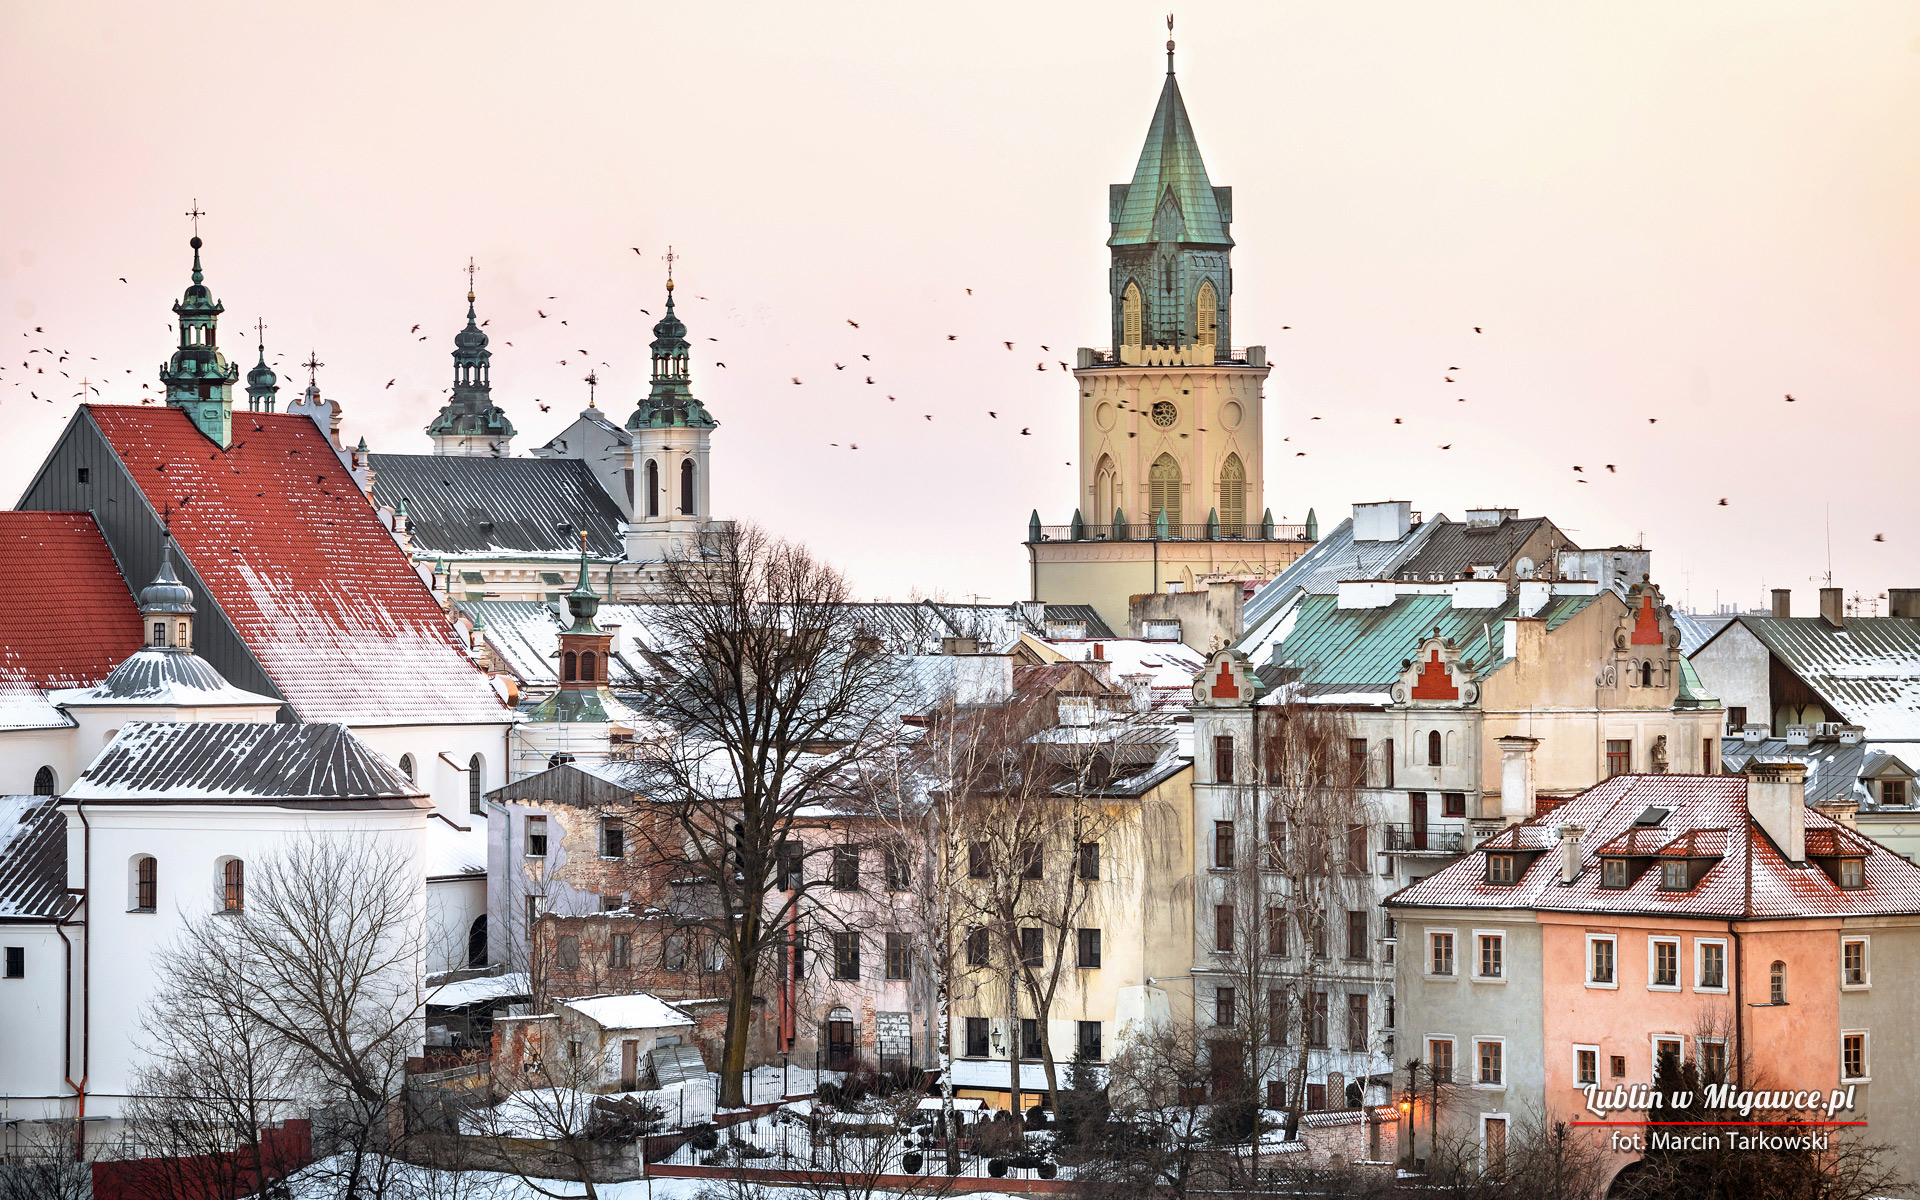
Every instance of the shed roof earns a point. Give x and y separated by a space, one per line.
33 859
477 504
306 765
1453 546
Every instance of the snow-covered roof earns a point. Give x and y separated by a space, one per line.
1866 668
463 992
1169 665
453 852
317 765
24 706
33 858
164 678
638 1010
461 504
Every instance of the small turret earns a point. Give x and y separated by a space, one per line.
470 422
198 378
166 607
263 386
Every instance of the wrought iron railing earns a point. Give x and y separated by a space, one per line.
1143 531
1410 839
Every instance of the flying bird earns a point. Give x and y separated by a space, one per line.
1476 329
993 414
1790 399
869 379
1008 345
1396 420
544 407
1448 446
868 357
796 381
123 279
929 416
543 315
1026 432
853 322
839 366
952 337
1723 502
1611 470
1879 537
1582 470
415 329
1039 366
719 364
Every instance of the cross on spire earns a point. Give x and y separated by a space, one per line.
593 381
260 327
470 270
313 365
668 257
196 213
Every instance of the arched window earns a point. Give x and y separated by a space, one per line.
1104 490
1163 485
1646 673
687 508
406 766
1130 306
477 942
1233 497
587 666
476 782
43 782
1777 982
233 882
145 881
1207 310
653 488
569 667
1433 749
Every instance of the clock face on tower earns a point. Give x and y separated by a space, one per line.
1164 414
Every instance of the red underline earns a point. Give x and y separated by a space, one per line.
1671 1124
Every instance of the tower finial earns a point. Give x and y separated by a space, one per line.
669 256
260 328
470 270
313 365
1169 43
593 381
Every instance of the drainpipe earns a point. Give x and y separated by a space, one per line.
86 986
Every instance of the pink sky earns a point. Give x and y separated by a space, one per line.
1653 210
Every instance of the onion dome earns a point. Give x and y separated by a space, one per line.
166 594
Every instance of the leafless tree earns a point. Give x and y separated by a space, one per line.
41 1164
549 1123
775 701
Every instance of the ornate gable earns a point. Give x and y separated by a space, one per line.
1227 681
1647 621
1433 678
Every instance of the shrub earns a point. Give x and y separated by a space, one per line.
704 1137
997 1167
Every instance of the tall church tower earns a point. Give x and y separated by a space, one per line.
1171 455
470 422
672 447
198 378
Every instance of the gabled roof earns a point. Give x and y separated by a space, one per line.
1453 546
1709 809
298 766
1833 768
479 505
297 561
1170 162
33 859
1867 668
66 616
1336 556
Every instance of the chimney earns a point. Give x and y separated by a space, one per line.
1098 651
1832 608
1777 801
1783 602
1139 691
1570 853
1904 602
1516 778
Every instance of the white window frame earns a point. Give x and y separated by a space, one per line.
1476 976
1504 1066
1866 963
1653 1052
1866 1055
1653 941
1598 1062
1426 967
1452 1042
1700 965
1699 1058
1495 1116
1614 940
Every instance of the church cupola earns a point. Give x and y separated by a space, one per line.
672 443
585 656
1170 281
263 386
471 423
198 379
670 403
166 607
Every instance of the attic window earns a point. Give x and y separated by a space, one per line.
1654 815
1852 873
1500 869
551 578
1613 873
1673 875
472 577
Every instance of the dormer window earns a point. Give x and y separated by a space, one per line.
1500 868
1613 873
1852 873
1673 875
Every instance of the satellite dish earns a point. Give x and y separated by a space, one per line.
1523 569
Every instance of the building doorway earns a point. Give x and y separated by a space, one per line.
839 1040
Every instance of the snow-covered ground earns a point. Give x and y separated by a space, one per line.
318 1183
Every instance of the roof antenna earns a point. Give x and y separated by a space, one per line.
1169 43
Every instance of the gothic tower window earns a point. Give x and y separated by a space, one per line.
653 488
1130 306
476 783
569 667
1163 483
587 666
1105 489
686 487
1207 307
1233 495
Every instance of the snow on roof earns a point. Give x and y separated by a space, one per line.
66 616
33 857
451 852
463 992
476 504
1866 668
25 706
297 560
1170 665
639 1010
246 763
165 678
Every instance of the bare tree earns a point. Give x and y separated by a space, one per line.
549 1123
775 703
42 1163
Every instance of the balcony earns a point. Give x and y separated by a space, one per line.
1405 839
1144 531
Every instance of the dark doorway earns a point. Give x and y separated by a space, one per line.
477 942
839 1042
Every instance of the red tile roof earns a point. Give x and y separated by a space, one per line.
66 616
1711 807
318 590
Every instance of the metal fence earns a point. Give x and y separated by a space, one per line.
796 1145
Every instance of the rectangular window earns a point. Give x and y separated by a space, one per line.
1853 1056
1223 758
1088 945
1357 849
1357 760
1316 1097
899 873
1357 934
1586 1064
536 837
1893 793
1386 763
1030 860
1276 1017
1600 961
1440 954
1317 1021
793 871
1223 844
84 474
1029 1038
1500 868
899 956
1853 963
1666 1048
977 947
1492 964
1613 873
1277 1094
1223 927
1089 860
1736 718
1453 804
567 955
1087 1039
1664 966
1276 930
1673 875
146 884
1713 1060
846 868
1619 756
1440 1058
977 1037
1223 1004
1713 966
16 962
1617 1065
1356 1020
979 860
1708 764
1319 941
1276 845
620 951
846 956
1031 952
1853 873
613 839
1491 1057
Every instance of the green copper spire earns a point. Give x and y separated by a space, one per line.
583 602
470 422
670 402
198 379
263 386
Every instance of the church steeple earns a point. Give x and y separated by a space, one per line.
262 384
470 423
670 402
1171 281
166 607
198 379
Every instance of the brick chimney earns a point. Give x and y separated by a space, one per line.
1783 602
1516 778
1903 602
1832 608
1777 802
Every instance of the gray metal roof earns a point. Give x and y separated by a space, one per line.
1450 547
33 859
1334 557
165 677
461 504
285 765
1867 669
1833 768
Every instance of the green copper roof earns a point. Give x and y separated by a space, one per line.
670 402
1357 648
471 410
1169 166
